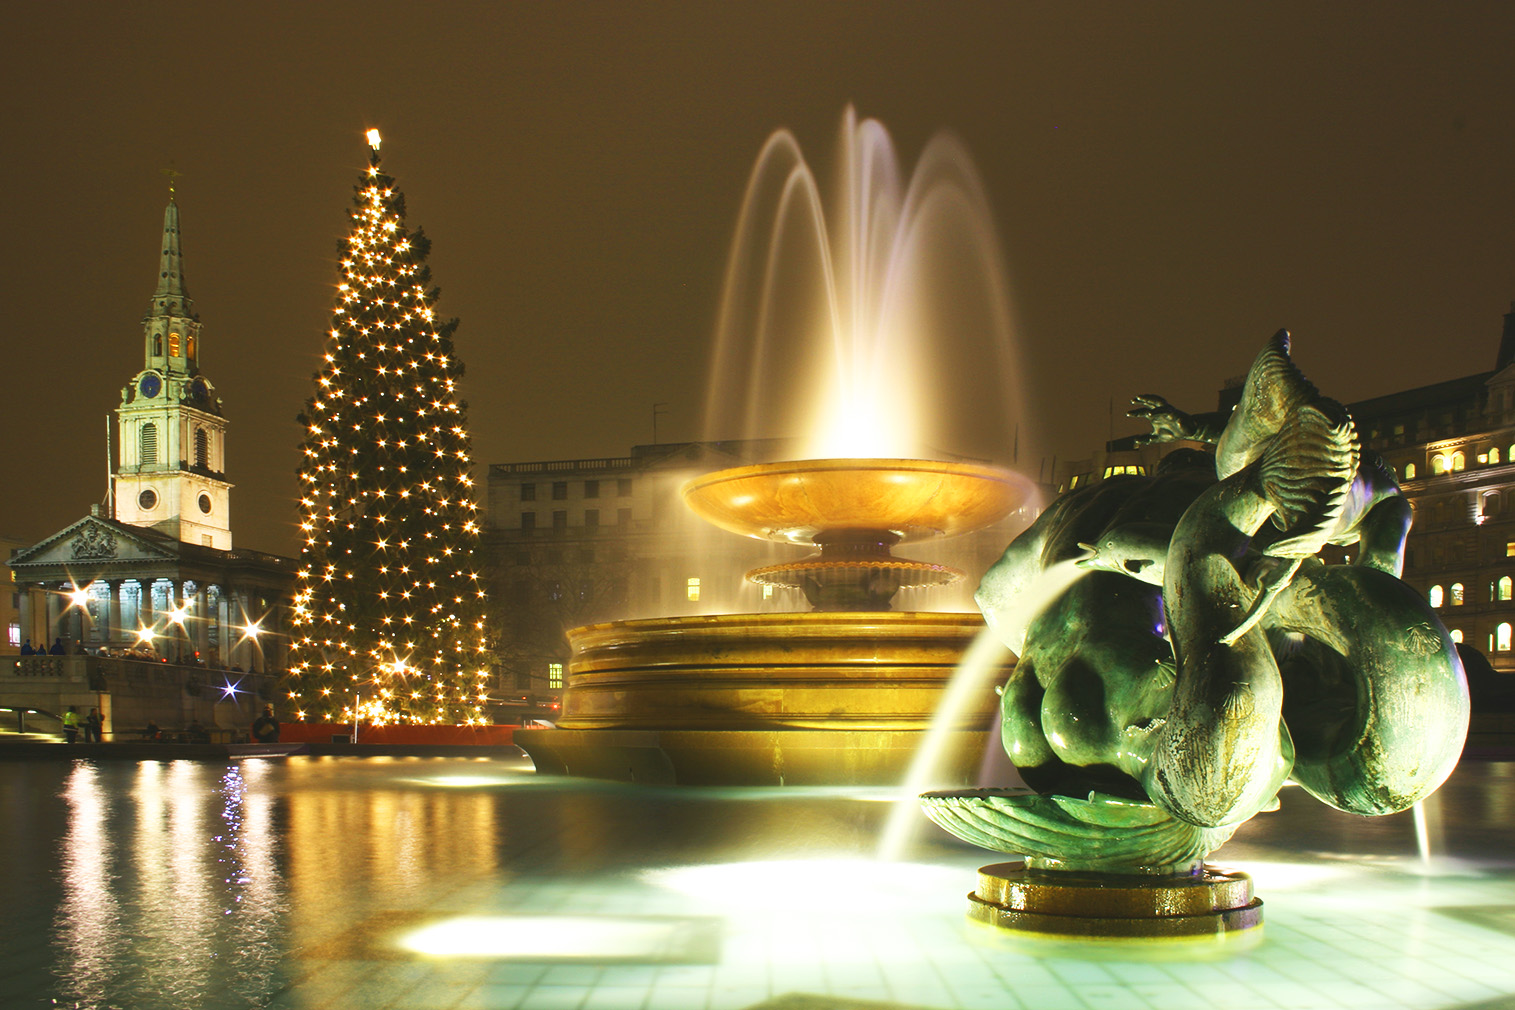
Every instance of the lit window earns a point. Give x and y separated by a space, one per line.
555 675
1457 634
1502 638
1409 471
1457 594
1438 464
1459 461
1509 548
1435 596
191 343
14 634
1493 455
767 591
173 345
1506 588
1483 457
694 590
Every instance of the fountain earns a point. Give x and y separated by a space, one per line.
845 692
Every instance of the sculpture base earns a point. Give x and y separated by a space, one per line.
1065 904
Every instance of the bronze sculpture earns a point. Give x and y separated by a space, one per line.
1209 654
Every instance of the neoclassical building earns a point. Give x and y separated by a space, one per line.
155 565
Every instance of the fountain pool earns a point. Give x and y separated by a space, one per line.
457 883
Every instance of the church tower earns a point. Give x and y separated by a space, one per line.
172 459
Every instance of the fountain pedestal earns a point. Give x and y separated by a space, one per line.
1210 901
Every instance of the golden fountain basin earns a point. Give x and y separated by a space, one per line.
762 699
909 499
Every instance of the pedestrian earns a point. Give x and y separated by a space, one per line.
70 719
57 649
92 726
26 648
265 728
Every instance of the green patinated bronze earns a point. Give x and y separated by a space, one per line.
1162 699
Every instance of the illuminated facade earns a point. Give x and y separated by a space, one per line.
153 569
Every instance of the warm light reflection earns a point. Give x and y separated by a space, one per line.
810 884
547 937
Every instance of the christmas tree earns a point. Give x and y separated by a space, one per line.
389 604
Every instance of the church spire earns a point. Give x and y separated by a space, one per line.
172 297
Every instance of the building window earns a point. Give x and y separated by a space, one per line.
591 489
1459 461
1409 471
202 449
1434 596
1491 503
623 487
1457 635
555 676
157 344
591 517
1502 638
528 520
1506 589
623 517
173 345
528 492
1457 594
560 520
560 490
1438 464
147 445
693 590
1494 455
14 633
767 590
190 343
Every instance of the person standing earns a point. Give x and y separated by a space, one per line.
265 728
71 723
92 726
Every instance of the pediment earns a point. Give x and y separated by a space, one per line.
95 540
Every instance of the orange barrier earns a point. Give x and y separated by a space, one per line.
405 736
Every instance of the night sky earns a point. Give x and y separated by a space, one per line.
1170 183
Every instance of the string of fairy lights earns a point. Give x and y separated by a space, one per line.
388 611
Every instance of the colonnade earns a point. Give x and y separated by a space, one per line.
190 621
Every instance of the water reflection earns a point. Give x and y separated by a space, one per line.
189 910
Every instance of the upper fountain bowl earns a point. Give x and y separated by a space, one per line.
796 502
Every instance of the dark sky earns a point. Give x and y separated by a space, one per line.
1170 182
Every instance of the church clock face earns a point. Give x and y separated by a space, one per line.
150 385
147 500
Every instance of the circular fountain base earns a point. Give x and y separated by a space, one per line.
755 699
1211 902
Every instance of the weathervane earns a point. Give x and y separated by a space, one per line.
173 175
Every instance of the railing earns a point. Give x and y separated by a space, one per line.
562 465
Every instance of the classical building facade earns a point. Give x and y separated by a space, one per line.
153 571
576 542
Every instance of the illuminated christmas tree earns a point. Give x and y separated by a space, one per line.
389 604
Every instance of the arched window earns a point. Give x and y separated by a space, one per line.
1457 594
1409 471
1506 588
1438 464
1502 638
147 444
173 345
202 449
157 344
1434 596
1457 634
1459 461
1491 504
1494 455
190 342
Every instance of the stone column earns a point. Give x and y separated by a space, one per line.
202 625
112 629
54 624
27 631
